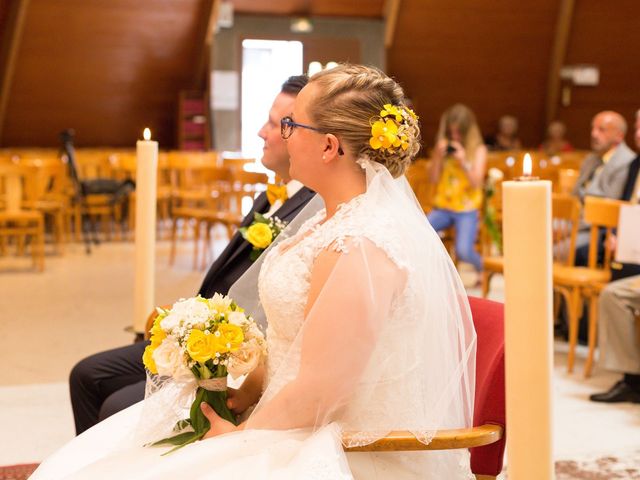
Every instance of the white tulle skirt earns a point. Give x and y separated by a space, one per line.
108 451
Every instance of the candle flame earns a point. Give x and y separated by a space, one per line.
527 166
146 134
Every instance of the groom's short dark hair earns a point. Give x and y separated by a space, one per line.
294 84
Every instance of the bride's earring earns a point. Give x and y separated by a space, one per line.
324 157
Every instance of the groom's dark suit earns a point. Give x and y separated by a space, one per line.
108 382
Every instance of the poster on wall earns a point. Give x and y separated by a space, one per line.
224 90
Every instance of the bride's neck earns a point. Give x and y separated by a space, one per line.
342 189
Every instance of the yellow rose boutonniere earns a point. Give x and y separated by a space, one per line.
261 233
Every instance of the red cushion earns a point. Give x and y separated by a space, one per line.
488 318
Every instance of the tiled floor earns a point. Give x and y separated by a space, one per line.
82 304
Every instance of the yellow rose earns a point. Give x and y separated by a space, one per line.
147 359
200 346
231 336
259 235
157 334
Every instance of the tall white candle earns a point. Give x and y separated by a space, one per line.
146 174
528 323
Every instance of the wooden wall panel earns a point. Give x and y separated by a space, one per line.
328 8
492 56
604 34
107 69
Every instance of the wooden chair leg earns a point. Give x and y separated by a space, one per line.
59 232
593 332
196 242
174 231
573 308
77 229
131 221
20 240
206 249
485 280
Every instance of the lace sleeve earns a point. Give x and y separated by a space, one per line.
352 289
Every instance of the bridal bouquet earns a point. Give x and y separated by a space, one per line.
261 233
202 340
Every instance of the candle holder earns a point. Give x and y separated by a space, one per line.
526 178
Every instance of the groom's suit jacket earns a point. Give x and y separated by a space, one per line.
234 260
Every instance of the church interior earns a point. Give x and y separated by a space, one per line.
91 238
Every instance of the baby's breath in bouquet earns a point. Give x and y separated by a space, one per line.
203 340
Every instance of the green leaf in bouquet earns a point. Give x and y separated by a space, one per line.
260 218
255 253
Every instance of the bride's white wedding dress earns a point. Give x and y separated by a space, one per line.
380 348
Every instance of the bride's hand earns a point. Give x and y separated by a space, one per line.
219 426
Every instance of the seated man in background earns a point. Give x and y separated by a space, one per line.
108 382
619 313
604 171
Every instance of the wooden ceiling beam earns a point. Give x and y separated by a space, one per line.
558 56
208 30
11 38
391 11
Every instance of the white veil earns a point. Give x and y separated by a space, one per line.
387 341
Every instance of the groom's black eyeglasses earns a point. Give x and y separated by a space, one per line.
287 126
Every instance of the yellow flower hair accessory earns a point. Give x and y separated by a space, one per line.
388 131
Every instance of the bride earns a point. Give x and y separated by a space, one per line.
369 329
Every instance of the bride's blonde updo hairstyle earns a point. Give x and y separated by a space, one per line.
349 101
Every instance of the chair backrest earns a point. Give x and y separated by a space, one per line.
601 214
565 222
11 187
418 177
488 318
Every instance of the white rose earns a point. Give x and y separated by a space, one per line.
254 332
220 303
246 359
237 318
170 360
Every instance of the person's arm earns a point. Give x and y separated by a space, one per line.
338 337
475 167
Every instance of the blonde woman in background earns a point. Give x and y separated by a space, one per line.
459 164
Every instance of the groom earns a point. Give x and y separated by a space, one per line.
107 382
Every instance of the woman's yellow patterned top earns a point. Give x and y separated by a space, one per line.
454 191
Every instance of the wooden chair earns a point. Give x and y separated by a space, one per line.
244 185
577 284
16 221
418 177
567 178
237 164
486 438
565 211
198 186
47 193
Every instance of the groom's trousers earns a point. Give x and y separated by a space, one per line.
105 383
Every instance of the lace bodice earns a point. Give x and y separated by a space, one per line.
285 276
